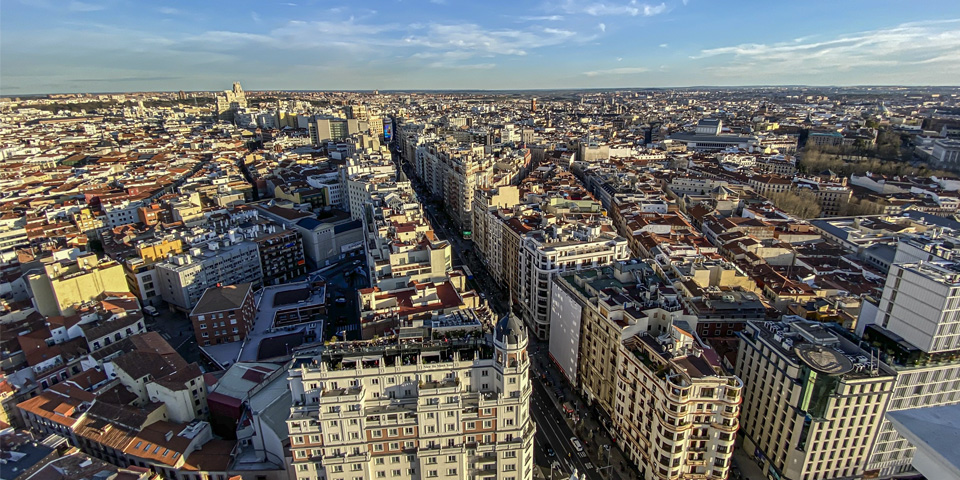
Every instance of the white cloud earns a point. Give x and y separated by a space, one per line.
631 8
469 66
922 43
471 40
255 16
616 71
540 18
664 45
602 27
77 6
169 11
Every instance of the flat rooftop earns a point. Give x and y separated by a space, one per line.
268 304
935 431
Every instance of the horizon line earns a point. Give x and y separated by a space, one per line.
492 90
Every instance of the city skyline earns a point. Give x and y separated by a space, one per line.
114 46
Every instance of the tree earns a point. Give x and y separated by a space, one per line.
802 203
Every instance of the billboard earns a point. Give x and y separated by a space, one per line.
387 131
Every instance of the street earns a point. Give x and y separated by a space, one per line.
553 430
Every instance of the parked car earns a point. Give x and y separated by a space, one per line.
550 452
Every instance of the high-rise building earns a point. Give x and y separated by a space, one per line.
281 256
533 104
813 401
327 129
454 409
357 112
917 330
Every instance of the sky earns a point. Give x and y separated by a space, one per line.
53 46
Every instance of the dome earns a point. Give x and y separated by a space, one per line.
510 331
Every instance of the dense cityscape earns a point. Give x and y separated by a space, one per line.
631 284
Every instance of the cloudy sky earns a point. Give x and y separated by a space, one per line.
133 45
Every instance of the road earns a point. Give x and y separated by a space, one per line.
463 251
552 428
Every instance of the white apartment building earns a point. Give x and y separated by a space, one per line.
921 303
183 278
917 329
122 213
813 401
676 412
414 408
543 256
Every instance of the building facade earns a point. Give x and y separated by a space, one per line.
183 278
813 400
224 314
676 413
458 412
542 259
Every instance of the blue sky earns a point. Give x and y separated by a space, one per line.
133 45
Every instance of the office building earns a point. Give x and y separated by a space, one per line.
813 400
917 332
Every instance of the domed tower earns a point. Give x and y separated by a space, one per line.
515 425
512 363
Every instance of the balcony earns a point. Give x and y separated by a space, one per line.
342 395
441 387
727 425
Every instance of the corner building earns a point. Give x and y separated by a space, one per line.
813 400
414 407
676 413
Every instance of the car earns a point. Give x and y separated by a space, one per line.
483 295
356 262
576 444
151 311
550 452
341 300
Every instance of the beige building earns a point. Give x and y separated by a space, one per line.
450 410
485 235
813 400
593 311
676 412
65 285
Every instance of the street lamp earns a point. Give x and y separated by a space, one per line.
601 469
